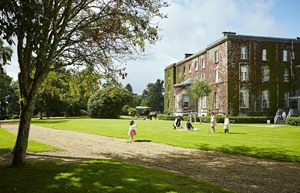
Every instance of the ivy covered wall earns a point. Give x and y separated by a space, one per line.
264 75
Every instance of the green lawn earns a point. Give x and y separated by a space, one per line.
90 176
258 140
8 140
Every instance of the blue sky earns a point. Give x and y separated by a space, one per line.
193 24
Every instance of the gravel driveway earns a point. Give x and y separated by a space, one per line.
237 173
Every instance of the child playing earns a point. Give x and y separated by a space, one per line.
213 122
226 124
131 131
189 125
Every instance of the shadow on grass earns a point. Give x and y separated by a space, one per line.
5 150
142 140
96 176
266 153
49 121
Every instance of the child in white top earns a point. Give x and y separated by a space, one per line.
226 124
131 131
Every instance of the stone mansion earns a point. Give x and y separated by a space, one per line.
250 75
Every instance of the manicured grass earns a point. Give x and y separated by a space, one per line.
96 176
8 140
278 142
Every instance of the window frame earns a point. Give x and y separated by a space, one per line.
284 55
286 75
196 64
190 68
265 99
203 102
216 56
202 63
217 100
244 74
265 74
244 53
244 98
216 75
185 101
264 55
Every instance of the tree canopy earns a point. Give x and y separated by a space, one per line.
51 34
108 102
153 96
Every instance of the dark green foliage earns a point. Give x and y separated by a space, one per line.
153 96
108 102
293 121
220 119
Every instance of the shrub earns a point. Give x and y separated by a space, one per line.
15 116
220 119
132 111
293 121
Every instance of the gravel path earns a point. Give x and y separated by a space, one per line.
237 173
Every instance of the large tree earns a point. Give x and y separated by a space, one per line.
51 34
153 96
67 91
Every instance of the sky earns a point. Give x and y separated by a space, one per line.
193 24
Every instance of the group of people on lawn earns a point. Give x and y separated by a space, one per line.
188 125
213 124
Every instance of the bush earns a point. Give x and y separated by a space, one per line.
220 119
132 111
15 116
293 121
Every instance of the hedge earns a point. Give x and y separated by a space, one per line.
293 121
220 119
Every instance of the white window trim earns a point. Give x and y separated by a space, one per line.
196 66
216 56
203 63
265 100
286 75
217 100
245 99
216 75
285 55
264 54
244 73
203 102
185 100
244 54
265 74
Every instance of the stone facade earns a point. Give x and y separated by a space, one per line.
250 75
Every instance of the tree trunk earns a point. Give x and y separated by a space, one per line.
23 135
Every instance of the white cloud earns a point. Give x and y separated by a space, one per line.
193 24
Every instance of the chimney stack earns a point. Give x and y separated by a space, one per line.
226 33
